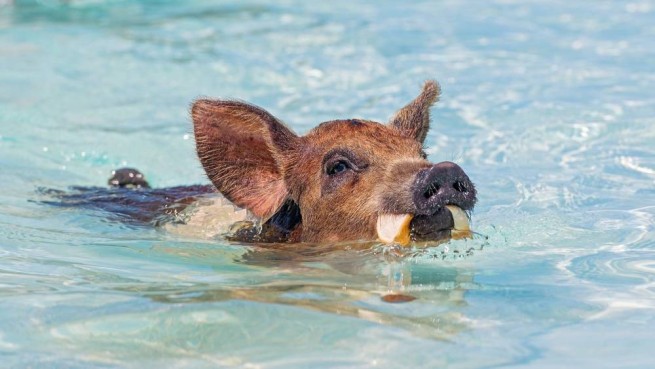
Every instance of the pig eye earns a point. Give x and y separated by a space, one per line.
338 167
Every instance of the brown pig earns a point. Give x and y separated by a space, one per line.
346 180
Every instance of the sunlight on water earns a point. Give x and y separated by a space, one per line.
548 106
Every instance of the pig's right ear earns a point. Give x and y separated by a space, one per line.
242 149
414 119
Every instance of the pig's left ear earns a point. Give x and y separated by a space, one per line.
414 119
242 149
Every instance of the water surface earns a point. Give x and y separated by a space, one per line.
548 105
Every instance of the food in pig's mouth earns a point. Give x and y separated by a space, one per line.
394 228
461 225
447 222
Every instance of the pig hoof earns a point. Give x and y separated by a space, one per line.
127 178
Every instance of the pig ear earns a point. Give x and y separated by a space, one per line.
414 119
242 149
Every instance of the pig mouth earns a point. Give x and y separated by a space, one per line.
448 222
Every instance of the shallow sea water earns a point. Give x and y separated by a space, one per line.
548 105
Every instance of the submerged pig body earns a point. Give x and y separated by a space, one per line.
336 182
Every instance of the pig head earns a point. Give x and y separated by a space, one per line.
341 181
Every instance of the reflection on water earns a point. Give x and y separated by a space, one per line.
217 304
357 280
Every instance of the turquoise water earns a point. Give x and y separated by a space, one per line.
548 105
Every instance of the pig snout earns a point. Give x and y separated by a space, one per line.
442 184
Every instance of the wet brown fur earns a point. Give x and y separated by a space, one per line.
258 163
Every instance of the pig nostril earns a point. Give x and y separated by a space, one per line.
431 190
459 186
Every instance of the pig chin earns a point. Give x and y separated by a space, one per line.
433 227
